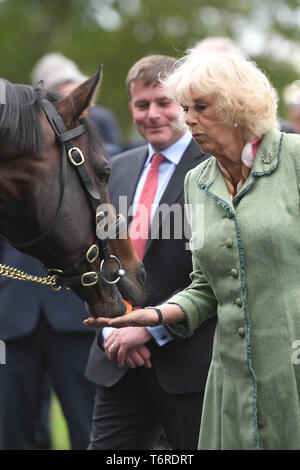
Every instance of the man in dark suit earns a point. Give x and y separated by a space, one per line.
160 383
45 339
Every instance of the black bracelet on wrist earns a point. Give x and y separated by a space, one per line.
160 316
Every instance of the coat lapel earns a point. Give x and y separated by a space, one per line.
213 183
265 162
134 174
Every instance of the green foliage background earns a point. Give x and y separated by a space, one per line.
116 33
60 439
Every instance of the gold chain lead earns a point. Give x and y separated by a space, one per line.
15 273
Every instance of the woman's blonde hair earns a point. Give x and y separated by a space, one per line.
242 92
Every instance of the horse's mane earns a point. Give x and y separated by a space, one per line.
19 121
19 116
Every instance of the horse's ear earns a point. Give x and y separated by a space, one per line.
84 96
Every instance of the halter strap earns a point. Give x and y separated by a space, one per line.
76 157
70 276
58 125
68 135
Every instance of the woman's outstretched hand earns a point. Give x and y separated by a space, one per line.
141 317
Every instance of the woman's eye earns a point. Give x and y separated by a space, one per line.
196 107
200 107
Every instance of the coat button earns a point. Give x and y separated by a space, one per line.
228 215
234 273
238 302
229 243
260 423
241 332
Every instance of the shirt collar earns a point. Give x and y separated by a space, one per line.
174 152
249 152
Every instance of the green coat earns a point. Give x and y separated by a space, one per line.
248 271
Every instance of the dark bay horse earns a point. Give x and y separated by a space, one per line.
52 177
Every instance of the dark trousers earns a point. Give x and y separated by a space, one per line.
60 355
131 414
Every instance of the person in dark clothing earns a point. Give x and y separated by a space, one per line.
45 343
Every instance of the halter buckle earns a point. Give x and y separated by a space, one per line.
85 279
92 253
72 160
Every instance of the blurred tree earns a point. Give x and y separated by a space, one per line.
119 32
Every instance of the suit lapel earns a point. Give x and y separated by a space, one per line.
175 188
134 173
127 176
191 158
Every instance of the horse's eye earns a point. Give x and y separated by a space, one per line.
103 176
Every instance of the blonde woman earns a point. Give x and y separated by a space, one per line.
248 269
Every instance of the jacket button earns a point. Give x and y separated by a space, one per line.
260 423
228 215
234 273
238 302
229 243
241 332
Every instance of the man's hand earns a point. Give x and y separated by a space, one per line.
137 357
126 347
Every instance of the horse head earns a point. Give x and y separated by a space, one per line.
54 201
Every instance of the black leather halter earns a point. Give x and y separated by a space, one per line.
71 276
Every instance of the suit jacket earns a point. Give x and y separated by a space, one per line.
21 303
182 364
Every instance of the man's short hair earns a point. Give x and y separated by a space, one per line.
148 69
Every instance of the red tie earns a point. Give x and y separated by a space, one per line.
140 225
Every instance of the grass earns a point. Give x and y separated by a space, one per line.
59 429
